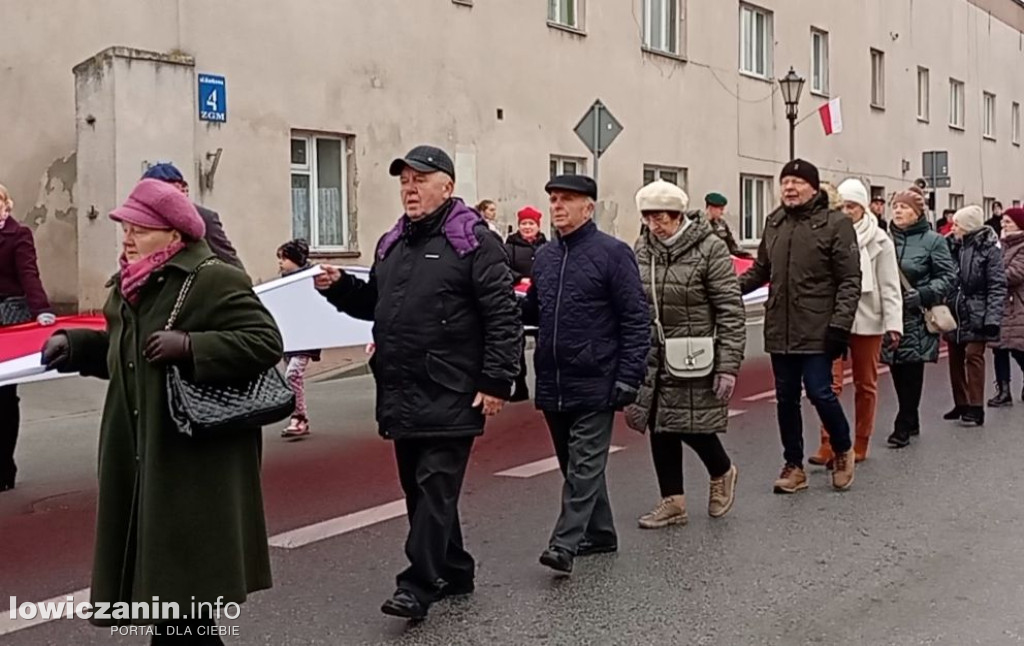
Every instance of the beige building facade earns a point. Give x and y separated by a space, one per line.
322 94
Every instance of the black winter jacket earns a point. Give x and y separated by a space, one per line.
445 323
978 297
521 254
594 324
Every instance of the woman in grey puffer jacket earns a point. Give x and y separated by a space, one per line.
977 301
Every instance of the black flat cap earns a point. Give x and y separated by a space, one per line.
425 159
574 183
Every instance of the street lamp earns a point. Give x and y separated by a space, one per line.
792 85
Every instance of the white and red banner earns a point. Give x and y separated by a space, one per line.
306 320
832 116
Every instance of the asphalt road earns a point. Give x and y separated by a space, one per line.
926 548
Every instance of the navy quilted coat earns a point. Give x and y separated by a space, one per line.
594 325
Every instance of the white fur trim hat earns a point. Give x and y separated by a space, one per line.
660 195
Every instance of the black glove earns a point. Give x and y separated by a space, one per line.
56 352
837 342
911 299
990 331
168 347
623 395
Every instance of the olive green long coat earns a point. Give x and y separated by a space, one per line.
178 517
698 295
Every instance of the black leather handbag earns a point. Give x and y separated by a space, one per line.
14 311
201 410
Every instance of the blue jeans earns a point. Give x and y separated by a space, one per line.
815 371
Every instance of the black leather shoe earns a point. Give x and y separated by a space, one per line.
6 486
458 589
405 605
587 548
914 432
557 559
975 416
899 439
956 413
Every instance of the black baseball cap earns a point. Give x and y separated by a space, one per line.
574 183
425 159
878 198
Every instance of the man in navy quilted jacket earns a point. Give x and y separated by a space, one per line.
594 333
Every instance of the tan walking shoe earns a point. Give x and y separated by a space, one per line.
670 511
722 493
842 474
791 480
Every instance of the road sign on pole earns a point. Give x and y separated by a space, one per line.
597 129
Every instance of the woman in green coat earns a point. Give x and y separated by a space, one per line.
928 273
692 287
178 517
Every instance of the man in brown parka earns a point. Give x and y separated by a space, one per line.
810 257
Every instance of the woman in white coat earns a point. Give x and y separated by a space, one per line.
879 318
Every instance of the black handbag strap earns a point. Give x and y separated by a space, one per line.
186 287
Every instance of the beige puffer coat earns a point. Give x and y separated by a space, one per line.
698 295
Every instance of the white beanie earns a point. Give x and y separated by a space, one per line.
853 190
970 218
660 195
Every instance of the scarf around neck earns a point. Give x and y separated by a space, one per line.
866 229
134 275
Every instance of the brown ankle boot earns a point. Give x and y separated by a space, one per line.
861 446
824 454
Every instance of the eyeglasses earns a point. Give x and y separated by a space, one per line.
659 218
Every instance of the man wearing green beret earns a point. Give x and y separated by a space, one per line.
714 206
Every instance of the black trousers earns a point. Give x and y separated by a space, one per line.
431 472
582 441
667 451
908 379
1002 363
10 420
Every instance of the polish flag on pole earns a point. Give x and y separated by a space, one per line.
832 117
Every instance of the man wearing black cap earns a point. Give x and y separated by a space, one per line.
810 257
592 341
448 337
878 208
216 237
714 208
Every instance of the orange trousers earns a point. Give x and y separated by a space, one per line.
865 355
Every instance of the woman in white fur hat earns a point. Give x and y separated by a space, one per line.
694 293
879 318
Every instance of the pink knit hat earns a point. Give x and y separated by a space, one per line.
157 205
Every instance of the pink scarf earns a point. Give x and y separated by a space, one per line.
134 275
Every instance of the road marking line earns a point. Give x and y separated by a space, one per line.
540 466
338 526
8 625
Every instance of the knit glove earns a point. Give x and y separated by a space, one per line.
837 342
623 395
990 331
911 299
724 386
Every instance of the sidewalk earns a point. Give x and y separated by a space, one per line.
337 363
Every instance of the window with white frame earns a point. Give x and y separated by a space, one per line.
924 103
756 41
565 12
956 104
819 61
988 204
672 174
1015 123
988 115
663 26
877 78
567 166
320 192
956 201
755 205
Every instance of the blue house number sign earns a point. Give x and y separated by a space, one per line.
213 98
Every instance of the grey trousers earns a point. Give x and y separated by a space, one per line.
582 440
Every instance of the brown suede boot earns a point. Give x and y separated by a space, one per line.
824 454
861 446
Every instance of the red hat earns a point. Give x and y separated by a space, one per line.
154 204
529 213
1017 215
